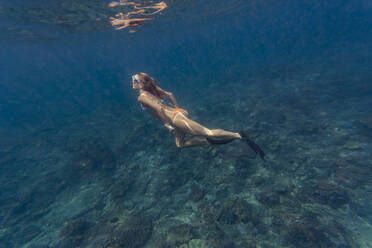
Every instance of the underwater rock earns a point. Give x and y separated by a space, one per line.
318 231
244 168
208 212
243 210
351 176
68 243
237 210
283 185
178 235
114 220
353 145
225 244
273 145
366 122
196 243
35 201
363 208
22 204
176 176
309 127
216 235
340 163
281 219
75 228
227 216
364 126
73 233
277 117
329 193
30 232
259 180
41 246
134 232
92 155
119 190
84 164
197 193
269 197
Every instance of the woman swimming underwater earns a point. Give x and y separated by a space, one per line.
177 119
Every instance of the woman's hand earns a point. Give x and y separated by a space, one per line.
169 127
184 111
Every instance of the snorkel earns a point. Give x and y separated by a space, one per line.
135 82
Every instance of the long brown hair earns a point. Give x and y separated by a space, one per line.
149 83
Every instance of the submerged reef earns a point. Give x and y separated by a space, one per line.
133 232
330 193
132 187
309 231
73 232
90 156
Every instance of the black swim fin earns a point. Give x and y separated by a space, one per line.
219 142
253 145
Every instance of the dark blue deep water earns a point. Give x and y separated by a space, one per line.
81 165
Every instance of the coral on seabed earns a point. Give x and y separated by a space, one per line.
366 122
269 197
75 228
329 193
178 235
317 231
134 232
140 192
90 156
197 193
196 243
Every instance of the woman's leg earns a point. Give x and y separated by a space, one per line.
180 138
186 125
181 142
213 137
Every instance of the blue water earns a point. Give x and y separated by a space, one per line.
83 166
